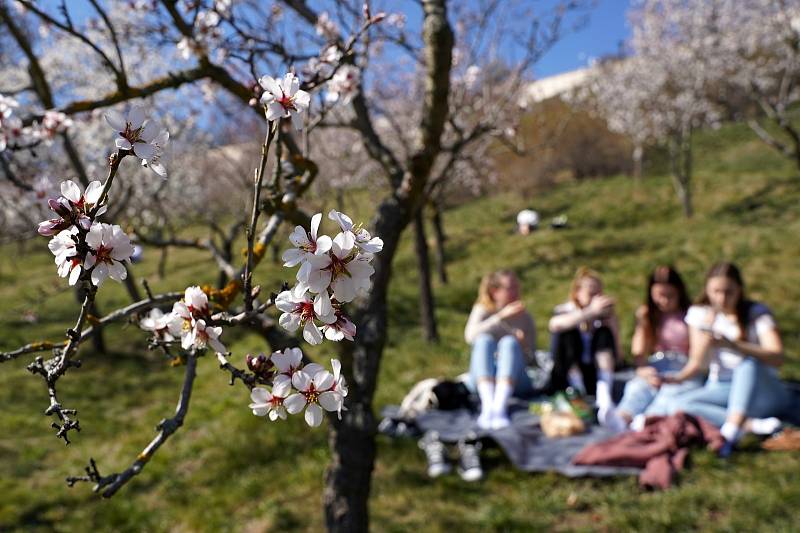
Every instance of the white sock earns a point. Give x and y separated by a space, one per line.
575 380
486 394
611 419
603 391
502 392
765 426
637 424
731 432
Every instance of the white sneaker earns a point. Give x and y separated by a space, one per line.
469 462
435 454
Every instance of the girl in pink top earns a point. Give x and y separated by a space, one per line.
660 345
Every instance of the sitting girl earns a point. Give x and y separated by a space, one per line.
585 333
660 345
503 339
739 342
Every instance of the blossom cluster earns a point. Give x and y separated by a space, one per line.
79 242
343 85
190 321
333 271
296 387
14 135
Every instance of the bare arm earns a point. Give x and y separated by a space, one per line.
769 349
639 345
699 344
570 320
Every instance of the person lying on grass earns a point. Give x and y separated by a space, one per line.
738 341
585 335
660 346
503 338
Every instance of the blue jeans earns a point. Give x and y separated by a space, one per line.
501 359
642 398
754 390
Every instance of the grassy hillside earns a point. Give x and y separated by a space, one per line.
227 470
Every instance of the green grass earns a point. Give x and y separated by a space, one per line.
227 470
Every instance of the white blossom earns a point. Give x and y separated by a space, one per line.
157 322
310 395
300 310
366 242
63 247
288 361
270 403
73 207
135 132
109 247
284 99
200 336
306 243
344 85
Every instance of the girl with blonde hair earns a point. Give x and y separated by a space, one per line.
585 335
503 338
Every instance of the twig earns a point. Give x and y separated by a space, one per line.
251 230
113 482
28 348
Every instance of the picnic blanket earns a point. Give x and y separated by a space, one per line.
526 446
523 442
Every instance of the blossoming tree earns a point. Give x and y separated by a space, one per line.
237 53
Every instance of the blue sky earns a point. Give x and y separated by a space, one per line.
607 27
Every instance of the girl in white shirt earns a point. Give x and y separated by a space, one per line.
738 341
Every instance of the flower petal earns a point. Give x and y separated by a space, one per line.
294 403
115 120
144 150
313 415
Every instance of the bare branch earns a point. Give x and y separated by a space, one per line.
110 484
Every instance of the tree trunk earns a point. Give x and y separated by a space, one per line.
440 238
340 199
352 439
681 166
638 156
427 304
130 286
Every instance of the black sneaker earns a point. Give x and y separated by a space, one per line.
435 453
469 462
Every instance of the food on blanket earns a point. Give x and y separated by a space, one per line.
561 424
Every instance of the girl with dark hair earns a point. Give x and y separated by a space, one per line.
660 345
738 341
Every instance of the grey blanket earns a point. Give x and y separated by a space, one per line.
523 442
528 448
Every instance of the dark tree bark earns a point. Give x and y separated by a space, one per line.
352 439
680 148
439 238
427 304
